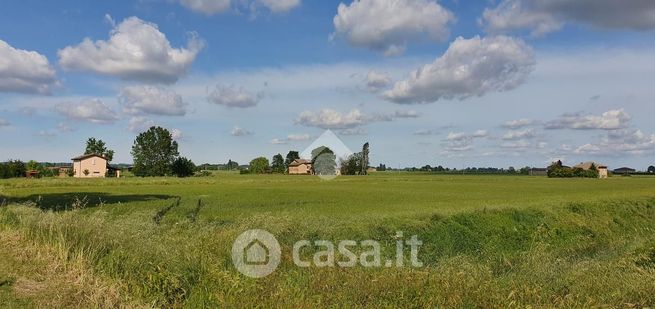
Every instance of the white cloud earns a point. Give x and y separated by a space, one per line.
375 81
25 71
278 6
238 131
470 67
388 25
4 123
353 131
277 141
544 16
177 134
233 96
461 141
331 119
91 110
207 7
151 100
513 135
136 50
212 7
298 137
619 143
517 124
139 124
610 120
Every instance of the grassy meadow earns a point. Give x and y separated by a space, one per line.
488 241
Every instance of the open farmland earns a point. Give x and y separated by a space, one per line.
488 241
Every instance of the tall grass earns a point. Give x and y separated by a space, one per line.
584 252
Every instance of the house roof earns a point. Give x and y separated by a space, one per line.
587 165
625 169
82 157
298 162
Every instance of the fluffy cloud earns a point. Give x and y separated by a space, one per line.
177 134
620 142
331 119
513 135
298 137
277 141
207 7
139 124
470 67
353 131
544 16
233 96
92 110
151 100
238 131
517 124
388 25
136 50
211 7
461 141
610 120
375 81
25 71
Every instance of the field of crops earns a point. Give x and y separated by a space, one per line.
488 241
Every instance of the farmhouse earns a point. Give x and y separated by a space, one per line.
89 166
602 169
300 167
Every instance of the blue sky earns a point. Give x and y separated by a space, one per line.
452 83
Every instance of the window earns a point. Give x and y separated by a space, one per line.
93 161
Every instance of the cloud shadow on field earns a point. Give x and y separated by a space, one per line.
79 200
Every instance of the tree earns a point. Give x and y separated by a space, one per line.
351 165
364 164
183 167
651 169
231 165
98 147
154 152
259 165
292 155
277 164
324 161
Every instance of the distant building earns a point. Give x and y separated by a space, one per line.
536 171
300 167
602 169
624 170
89 166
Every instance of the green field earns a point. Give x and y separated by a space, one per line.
488 241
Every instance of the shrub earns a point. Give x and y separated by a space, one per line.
183 167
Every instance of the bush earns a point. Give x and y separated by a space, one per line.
183 167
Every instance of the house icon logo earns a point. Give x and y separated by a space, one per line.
256 253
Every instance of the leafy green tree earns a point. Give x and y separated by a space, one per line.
651 169
97 146
277 164
259 165
32 165
324 161
183 167
231 165
351 165
13 168
292 155
154 152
